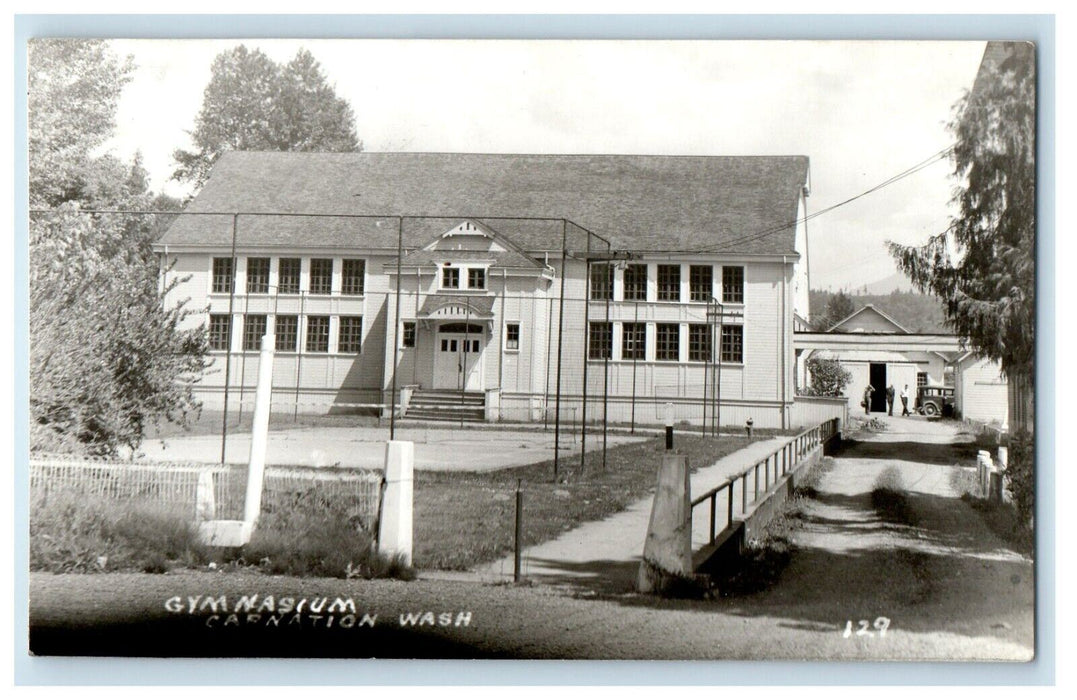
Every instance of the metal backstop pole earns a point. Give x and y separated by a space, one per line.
231 333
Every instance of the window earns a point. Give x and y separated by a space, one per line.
601 281
600 340
633 341
257 275
317 334
288 276
512 336
351 277
222 275
667 341
669 283
636 282
254 327
287 332
321 275
700 280
350 338
921 379
450 277
733 285
409 334
699 342
220 332
733 344
476 278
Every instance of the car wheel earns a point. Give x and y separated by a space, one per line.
931 410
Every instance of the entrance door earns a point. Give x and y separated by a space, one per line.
878 381
458 358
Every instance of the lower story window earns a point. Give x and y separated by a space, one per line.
732 343
409 334
350 340
921 379
286 328
600 341
317 334
699 342
220 332
634 341
667 341
512 336
254 327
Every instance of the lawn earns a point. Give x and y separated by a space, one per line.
467 518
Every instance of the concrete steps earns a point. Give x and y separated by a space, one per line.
447 406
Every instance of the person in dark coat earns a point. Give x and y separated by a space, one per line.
890 399
867 399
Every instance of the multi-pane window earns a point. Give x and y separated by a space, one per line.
600 340
222 275
601 281
317 334
254 327
512 336
409 334
732 343
288 276
921 379
635 282
669 283
476 278
700 280
699 342
220 332
450 277
633 341
350 338
351 277
667 341
321 275
733 285
257 275
287 331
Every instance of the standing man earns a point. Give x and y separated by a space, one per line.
890 399
867 399
905 401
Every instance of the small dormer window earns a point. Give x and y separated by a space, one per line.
450 277
476 278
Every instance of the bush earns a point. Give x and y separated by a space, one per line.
828 377
1021 474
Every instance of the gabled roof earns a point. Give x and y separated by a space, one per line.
640 203
868 309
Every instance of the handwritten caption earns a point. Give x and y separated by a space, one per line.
864 628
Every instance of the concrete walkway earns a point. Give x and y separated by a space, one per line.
605 554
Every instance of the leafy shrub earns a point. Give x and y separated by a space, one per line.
1021 473
828 377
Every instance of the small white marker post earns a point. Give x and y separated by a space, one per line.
395 527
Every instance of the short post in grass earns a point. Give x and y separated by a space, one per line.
252 505
669 426
395 526
519 530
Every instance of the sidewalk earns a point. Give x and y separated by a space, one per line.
605 554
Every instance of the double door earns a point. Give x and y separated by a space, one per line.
458 361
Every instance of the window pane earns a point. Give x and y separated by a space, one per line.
601 341
287 332
669 283
351 334
321 275
220 331
732 343
288 277
222 275
601 281
450 277
317 334
700 280
634 341
636 282
668 341
351 277
733 285
257 275
409 334
699 342
512 336
254 327
476 278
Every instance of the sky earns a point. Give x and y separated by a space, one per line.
861 111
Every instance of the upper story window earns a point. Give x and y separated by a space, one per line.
321 275
669 283
288 276
635 282
222 275
601 281
732 343
450 277
352 277
700 281
733 285
257 275
476 278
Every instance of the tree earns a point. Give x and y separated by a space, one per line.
827 377
106 357
254 104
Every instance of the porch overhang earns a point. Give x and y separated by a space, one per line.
462 308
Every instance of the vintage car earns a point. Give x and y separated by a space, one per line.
935 400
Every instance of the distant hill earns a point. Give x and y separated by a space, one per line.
895 282
920 313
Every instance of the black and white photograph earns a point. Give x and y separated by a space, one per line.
522 349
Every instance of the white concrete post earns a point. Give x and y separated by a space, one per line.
668 547
256 466
205 499
395 527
